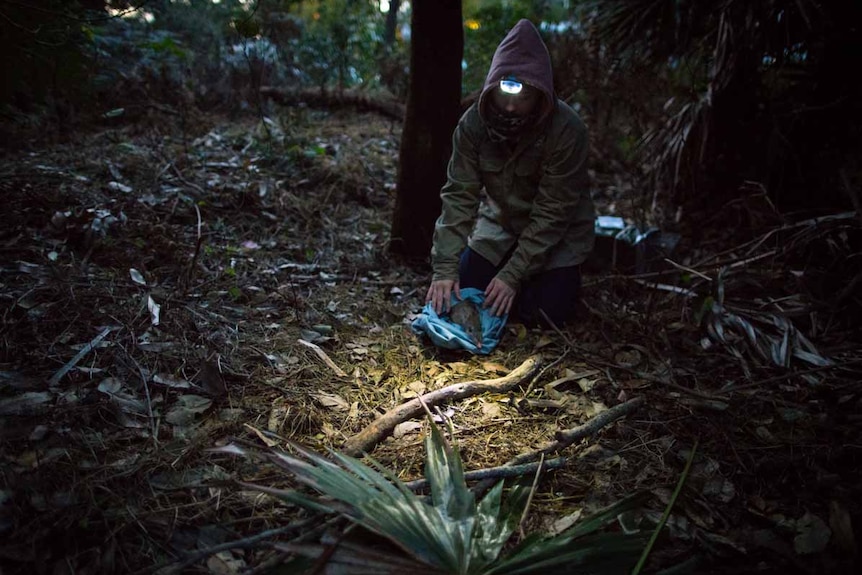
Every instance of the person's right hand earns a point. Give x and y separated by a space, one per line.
439 294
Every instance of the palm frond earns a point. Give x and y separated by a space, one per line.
453 533
578 543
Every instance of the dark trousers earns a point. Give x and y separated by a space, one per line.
555 291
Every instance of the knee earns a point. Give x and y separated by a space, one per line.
538 314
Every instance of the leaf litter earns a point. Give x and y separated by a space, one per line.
252 301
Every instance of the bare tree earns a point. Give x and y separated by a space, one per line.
433 107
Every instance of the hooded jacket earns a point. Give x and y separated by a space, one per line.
528 200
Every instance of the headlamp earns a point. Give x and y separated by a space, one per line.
511 86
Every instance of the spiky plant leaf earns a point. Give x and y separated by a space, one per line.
445 474
609 554
453 534
373 502
544 552
354 558
496 521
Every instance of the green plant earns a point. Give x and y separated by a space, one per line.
451 533
338 44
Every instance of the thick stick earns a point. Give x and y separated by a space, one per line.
500 472
566 437
365 440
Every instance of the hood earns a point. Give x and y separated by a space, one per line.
522 54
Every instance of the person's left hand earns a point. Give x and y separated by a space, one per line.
499 297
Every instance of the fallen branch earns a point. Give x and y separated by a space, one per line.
375 432
314 97
58 375
499 472
566 437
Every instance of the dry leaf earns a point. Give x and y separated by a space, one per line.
432 368
171 381
519 331
417 387
26 402
565 522
224 563
587 384
719 488
277 415
137 277
156 346
459 367
328 430
155 309
628 357
332 401
491 410
492 367
813 535
211 379
261 435
405 428
186 408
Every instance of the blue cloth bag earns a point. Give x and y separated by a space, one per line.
443 333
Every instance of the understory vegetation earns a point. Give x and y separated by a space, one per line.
207 364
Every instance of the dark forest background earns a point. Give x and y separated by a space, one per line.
698 101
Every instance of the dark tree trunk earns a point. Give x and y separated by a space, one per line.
391 22
433 108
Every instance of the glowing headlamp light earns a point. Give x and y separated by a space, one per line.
511 86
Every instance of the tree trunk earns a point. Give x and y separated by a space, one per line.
391 22
433 108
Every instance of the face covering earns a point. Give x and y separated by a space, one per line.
502 126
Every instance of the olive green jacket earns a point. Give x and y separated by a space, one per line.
532 201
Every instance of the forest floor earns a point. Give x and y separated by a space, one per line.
159 290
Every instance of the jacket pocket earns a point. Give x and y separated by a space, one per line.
529 166
490 164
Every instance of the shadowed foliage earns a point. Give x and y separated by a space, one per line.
760 95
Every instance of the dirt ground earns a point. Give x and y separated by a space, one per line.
166 292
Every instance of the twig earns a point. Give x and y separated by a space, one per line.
539 470
788 376
353 279
176 567
747 261
639 374
191 185
193 263
499 472
146 385
545 369
325 358
693 272
667 287
55 379
366 439
566 437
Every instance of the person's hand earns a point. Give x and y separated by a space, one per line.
439 294
499 297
